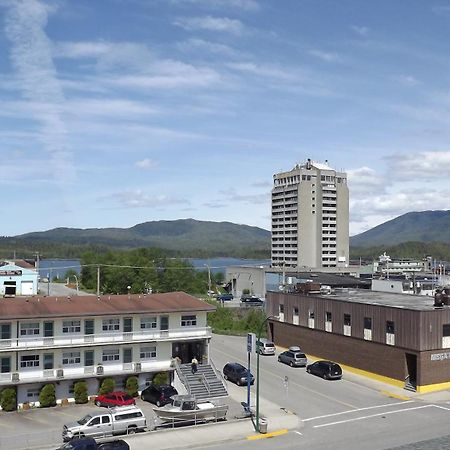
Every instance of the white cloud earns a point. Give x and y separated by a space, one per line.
146 164
141 199
365 180
269 71
209 23
77 50
428 165
233 196
325 56
360 30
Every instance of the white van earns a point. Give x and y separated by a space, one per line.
107 422
265 347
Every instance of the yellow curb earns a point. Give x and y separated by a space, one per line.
267 435
392 395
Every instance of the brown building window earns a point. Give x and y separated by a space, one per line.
368 328
446 335
347 325
390 333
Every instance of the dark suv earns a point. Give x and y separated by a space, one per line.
158 395
237 373
251 301
328 370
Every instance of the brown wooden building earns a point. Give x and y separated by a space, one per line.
400 339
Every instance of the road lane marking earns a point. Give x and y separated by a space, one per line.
442 407
298 432
356 410
371 416
255 437
277 375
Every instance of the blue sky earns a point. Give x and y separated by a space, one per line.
117 112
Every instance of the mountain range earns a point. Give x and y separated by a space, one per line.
199 238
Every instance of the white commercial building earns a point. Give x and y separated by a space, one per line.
310 217
62 340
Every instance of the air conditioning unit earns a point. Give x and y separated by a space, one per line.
59 373
137 367
15 377
100 370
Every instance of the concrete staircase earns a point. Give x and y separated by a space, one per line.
206 383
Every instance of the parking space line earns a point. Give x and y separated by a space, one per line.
6 425
356 410
33 419
371 416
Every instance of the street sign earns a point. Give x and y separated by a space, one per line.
249 342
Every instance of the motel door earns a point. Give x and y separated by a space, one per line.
411 371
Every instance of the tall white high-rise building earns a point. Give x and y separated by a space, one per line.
310 217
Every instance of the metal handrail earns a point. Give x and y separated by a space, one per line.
206 383
218 372
180 374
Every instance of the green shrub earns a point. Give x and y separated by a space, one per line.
161 378
80 392
132 386
47 396
245 291
8 399
107 386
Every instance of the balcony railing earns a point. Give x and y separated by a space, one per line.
81 340
73 372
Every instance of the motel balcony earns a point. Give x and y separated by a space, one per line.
105 338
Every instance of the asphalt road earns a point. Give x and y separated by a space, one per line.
335 414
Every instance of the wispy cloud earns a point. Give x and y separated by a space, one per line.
209 23
407 80
360 30
146 164
31 55
245 5
233 196
206 46
141 199
325 56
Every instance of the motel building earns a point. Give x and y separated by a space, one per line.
400 339
62 340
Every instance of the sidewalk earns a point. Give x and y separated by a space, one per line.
234 429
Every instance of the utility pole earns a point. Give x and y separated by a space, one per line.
98 281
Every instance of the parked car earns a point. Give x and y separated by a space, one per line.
265 347
293 357
158 395
328 370
224 297
115 399
251 301
90 444
118 420
237 373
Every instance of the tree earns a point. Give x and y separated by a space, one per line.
160 378
132 386
47 396
107 386
80 392
8 399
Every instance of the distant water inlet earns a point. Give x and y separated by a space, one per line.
51 268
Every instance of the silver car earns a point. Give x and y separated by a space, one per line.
293 358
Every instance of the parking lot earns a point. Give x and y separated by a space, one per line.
43 426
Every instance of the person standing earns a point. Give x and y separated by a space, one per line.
194 364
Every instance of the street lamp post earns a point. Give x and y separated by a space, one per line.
256 424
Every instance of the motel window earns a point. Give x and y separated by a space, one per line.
127 324
27 361
5 364
111 325
71 358
33 393
188 321
71 326
147 352
48 361
127 354
89 326
5 331
110 355
148 323
29 329
89 358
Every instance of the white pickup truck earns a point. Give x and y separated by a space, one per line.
107 422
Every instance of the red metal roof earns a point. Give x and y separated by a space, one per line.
105 305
